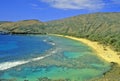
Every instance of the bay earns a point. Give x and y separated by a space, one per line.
48 57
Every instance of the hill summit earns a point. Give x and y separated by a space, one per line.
101 27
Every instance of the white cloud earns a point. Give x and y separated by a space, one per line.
76 4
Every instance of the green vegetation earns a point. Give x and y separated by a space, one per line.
101 27
111 75
23 27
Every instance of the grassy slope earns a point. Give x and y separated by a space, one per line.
102 27
25 26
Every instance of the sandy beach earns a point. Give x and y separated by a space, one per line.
104 52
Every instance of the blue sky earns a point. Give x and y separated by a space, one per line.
46 10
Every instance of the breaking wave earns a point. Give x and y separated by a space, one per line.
8 65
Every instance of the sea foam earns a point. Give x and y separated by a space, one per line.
8 65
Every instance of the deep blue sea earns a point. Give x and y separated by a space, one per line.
29 57
13 48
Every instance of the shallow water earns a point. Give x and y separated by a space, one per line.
63 59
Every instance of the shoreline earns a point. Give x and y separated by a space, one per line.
105 53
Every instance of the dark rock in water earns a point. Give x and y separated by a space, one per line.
8 80
47 79
26 80
44 79
3 80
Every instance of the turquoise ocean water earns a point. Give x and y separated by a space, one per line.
33 58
